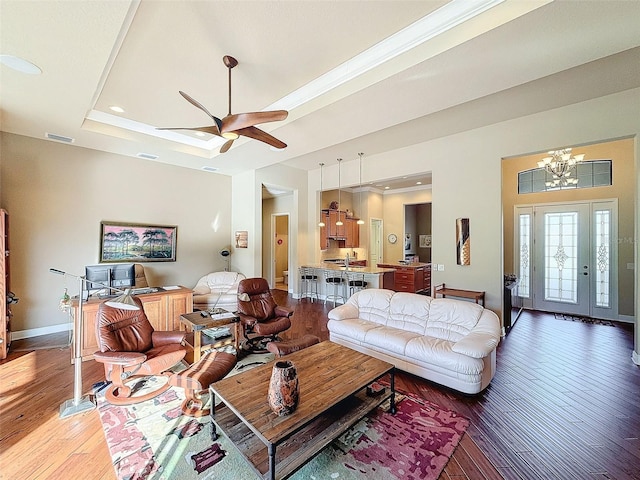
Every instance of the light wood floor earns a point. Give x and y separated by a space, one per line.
565 403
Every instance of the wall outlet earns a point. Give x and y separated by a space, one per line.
440 267
630 266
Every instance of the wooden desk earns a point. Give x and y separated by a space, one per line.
163 309
195 323
456 292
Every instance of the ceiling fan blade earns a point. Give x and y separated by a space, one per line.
257 134
226 146
197 104
234 122
212 129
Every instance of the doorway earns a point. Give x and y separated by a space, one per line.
375 242
280 251
567 258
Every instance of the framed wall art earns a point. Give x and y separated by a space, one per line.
463 241
425 241
136 242
242 239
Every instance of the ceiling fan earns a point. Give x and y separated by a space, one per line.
239 124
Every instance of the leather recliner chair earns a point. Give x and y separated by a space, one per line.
261 318
131 348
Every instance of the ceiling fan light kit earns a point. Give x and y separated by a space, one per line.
235 125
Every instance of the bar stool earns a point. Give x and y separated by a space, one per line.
308 283
356 282
335 279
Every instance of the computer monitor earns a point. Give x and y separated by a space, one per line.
119 276
123 276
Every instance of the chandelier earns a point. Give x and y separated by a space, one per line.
560 164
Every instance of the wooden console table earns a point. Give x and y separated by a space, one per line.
163 309
444 291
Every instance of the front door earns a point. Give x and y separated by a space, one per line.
567 258
562 259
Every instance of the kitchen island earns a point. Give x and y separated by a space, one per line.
375 277
410 277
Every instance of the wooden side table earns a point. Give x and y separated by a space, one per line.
195 323
444 291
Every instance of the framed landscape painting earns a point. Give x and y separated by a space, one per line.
135 242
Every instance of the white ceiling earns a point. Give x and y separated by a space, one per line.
516 58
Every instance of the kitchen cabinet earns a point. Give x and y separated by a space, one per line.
427 278
352 233
338 232
346 235
163 309
324 231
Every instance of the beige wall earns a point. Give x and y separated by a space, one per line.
57 195
621 152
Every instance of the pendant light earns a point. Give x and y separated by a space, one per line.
321 223
339 222
360 220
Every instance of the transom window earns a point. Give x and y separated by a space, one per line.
594 173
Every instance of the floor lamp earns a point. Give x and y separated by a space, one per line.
78 403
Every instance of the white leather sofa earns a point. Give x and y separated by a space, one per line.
450 342
219 289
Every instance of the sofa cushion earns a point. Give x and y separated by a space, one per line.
390 339
355 328
372 304
452 319
429 350
409 312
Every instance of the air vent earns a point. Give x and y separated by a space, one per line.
59 138
147 156
209 169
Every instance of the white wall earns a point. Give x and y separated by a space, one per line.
57 195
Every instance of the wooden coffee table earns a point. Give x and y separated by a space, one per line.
332 380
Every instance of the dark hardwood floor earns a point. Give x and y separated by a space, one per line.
564 404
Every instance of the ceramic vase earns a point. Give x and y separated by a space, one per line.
283 388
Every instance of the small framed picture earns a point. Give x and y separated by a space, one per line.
425 241
242 239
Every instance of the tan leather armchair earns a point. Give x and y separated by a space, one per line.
261 318
130 348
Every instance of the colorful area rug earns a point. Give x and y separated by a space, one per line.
153 440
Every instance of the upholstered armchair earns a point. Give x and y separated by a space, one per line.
217 289
261 318
130 348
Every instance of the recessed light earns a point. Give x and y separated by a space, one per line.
20 64
207 168
386 188
418 183
116 108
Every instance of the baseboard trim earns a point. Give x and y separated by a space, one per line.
36 332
